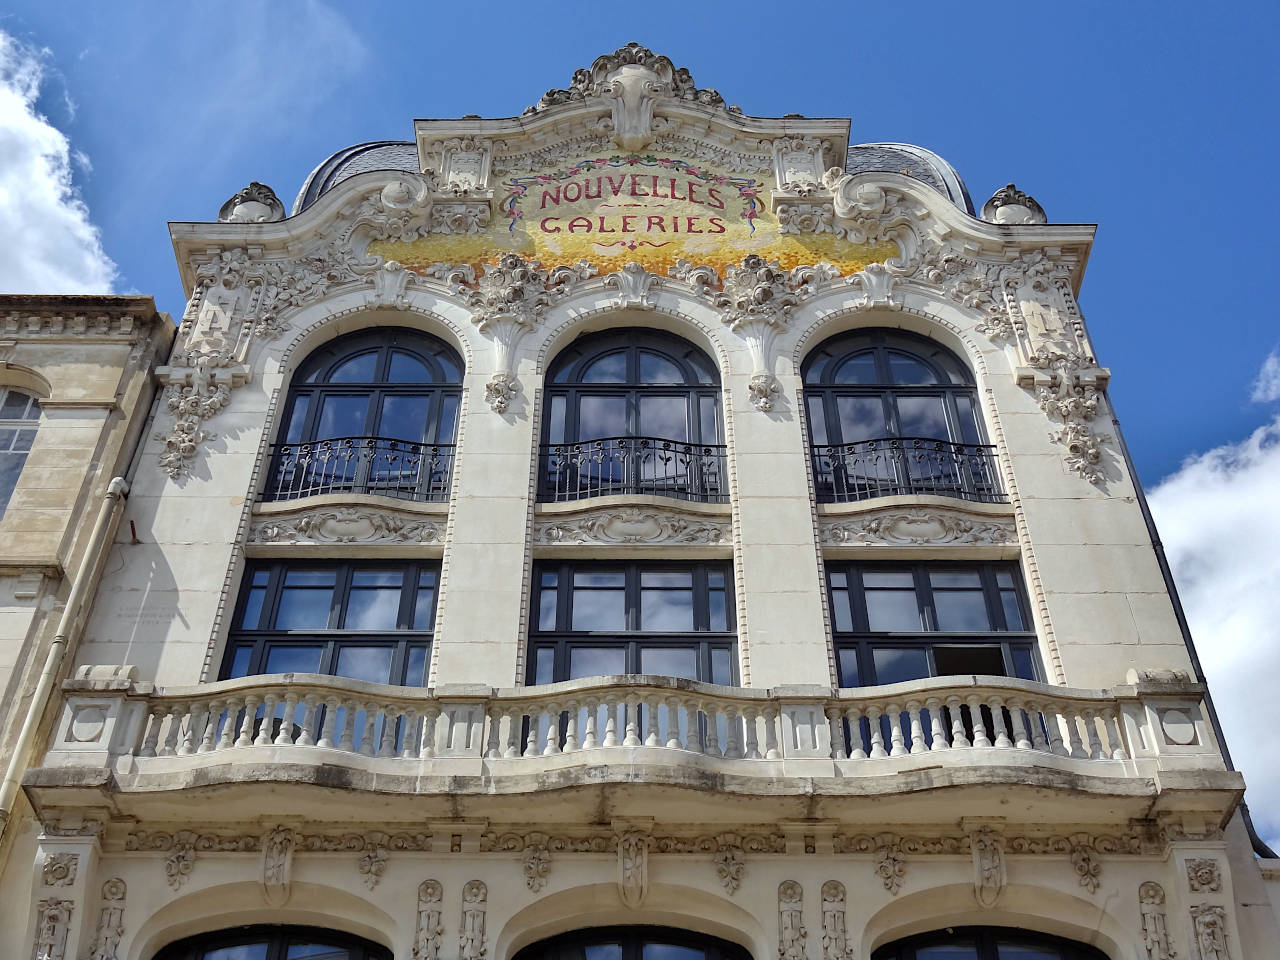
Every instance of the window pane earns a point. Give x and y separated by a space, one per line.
599 610
955 578
968 420
709 422
305 600
1012 610
1024 664
608 369
248 951
424 605
717 609
666 609
404 418
364 662
297 419
904 368
658 369
240 661
847 667
556 424
721 666
596 662
670 661
342 417
282 658
664 417
954 661
961 610
602 951
841 612
950 951
415 670
669 951
316 951
547 602
861 418
1023 951
922 417
374 603
447 420
253 605
602 417
888 609
359 369
544 665
895 664
406 368
817 422
860 368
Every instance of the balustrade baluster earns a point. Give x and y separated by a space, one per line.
1020 740
388 715
917 728
695 742
1075 745
305 736
552 745
1113 734
673 724
168 746
1095 741
589 741
631 719
958 737
711 742
347 735
1053 722
330 717
853 717
997 721
751 745
1039 719
896 739
771 751
251 702
365 727
650 706
531 735
494 746
877 735
939 730
571 727
212 718
409 744
285 736
196 715
431 714
227 738
732 740
269 702
611 721
980 738
836 727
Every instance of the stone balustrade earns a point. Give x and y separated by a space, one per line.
112 720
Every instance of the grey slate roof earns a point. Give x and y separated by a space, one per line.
363 157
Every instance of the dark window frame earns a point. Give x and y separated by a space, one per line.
21 437
862 641
261 639
631 940
985 942
632 639
279 939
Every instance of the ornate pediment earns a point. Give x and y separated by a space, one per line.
612 70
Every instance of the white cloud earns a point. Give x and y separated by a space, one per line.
50 245
1219 518
1267 386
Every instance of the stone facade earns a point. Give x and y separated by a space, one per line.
485 812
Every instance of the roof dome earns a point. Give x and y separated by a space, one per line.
363 157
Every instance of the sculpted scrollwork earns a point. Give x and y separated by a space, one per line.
277 866
346 525
429 930
756 302
59 869
1204 874
632 525
633 866
989 877
916 526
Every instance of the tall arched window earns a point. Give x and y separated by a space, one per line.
986 943
372 412
19 419
274 943
633 943
632 411
894 413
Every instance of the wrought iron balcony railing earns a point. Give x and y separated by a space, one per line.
891 466
389 468
633 465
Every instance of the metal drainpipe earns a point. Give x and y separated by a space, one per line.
1259 845
81 588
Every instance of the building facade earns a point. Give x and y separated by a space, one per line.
630 530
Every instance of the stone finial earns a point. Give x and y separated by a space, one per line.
1009 205
256 203
630 65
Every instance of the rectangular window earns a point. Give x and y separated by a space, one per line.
901 622
364 620
600 618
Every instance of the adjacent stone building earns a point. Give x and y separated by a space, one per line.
634 530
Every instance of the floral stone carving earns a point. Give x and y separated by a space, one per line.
106 941
427 935
989 876
256 203
1204 874
59 869
632 525
1155 925
835 936
277 866
346 525
917 526
633 866
471 936
791 931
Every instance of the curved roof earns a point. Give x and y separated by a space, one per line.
903 158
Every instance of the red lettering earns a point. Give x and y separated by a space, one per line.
675 224
655 192
689 221
675 194
616 187
554 197
717 225
586 190
579 223
545 228
635 185
625 227
656 223
690 184
577 192
715 200
602 227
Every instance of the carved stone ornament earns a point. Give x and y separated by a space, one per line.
277 866
633 867
835 936
364 525
917 526
791 931
471 936
727 851
1209 922
728 862
373 848
1086 865
1204 874
633 78
59 869
865 213
756 301
634 284
989 876
500 391
1012 206
179 864
632 525
890 867
798 164
53 924
429 930
106 941
256 203
1155 926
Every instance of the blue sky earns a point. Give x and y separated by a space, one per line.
1157 121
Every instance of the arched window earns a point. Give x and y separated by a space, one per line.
633 943
986 943
632 411
19 419
372 412
274 943
893 413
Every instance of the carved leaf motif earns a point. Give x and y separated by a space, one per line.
917 526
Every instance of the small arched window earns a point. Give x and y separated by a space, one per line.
633 943
19 420
632 411
274 943
372 412
893 413
986 943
